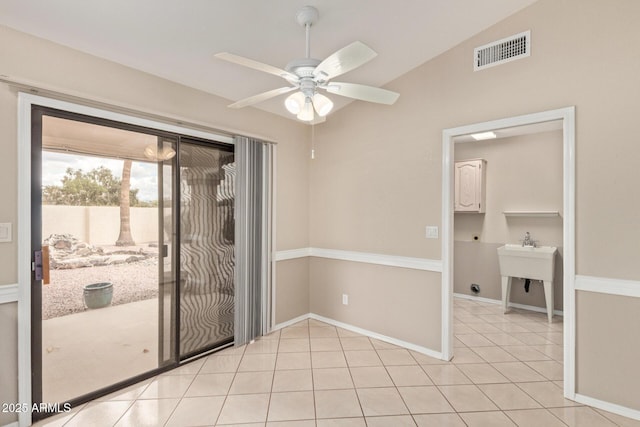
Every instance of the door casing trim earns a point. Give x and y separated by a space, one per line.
567 115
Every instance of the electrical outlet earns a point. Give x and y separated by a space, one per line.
345 299
431 232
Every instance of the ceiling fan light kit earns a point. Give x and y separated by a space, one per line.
308 75
322 104
295 102
306 114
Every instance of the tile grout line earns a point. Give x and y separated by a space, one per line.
510 381
377 350
235 373
273 378
355 390
313 383
525 363
183 394
396 385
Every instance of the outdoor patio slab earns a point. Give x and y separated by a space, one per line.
87 351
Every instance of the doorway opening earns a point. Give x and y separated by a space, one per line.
566 120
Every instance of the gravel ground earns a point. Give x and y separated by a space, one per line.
131 282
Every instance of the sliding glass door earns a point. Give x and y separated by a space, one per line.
207 249
104 230
133 241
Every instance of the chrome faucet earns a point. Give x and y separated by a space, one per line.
528 241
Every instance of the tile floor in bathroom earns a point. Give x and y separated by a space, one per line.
507 371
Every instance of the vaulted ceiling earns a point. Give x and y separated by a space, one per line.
176 40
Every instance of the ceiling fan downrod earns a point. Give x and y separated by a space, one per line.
306 17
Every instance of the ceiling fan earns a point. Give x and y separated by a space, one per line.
307 75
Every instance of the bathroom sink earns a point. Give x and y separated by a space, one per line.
527 262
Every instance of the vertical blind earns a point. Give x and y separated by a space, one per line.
253 238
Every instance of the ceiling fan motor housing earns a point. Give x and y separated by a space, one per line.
302 67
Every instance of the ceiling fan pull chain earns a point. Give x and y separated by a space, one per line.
313 141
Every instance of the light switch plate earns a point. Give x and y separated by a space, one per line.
432 232
5 232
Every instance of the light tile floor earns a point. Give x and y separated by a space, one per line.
507 371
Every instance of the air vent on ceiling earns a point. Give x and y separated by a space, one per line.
501 51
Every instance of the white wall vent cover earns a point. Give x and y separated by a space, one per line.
501 51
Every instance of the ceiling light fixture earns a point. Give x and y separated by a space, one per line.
306 114
483 136
294 103
302 105
322 104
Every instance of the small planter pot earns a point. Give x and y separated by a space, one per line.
98 295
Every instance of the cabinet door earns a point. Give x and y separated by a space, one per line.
468 186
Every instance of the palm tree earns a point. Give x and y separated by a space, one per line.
125 238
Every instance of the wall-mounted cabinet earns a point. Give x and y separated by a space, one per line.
470 184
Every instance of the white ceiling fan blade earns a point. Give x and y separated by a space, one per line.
363 92
261 97
344 60
250 63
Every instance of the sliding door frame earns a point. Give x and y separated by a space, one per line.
26 102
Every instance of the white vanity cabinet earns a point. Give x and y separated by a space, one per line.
470 186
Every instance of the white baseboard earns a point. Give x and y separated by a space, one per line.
290 322
365 332
511 304
375 335
609 407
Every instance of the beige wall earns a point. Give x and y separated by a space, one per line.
376 181
607 335
523 173
292 294
29 58
396 150
396 302
34 59
8 359
9 179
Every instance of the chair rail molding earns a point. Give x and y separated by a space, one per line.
423 264
604 285
9 293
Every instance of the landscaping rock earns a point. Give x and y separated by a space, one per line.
67 252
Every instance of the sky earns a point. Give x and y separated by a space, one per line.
144 176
